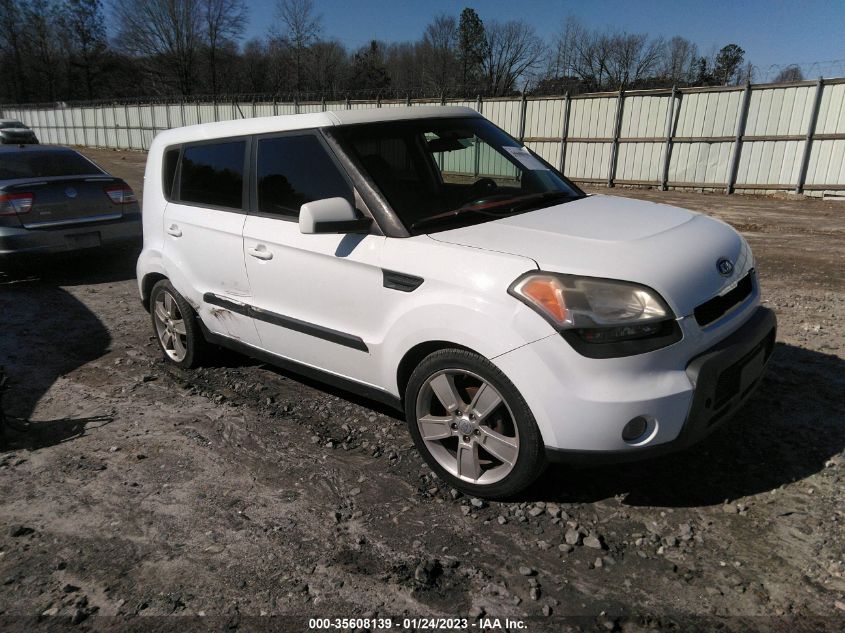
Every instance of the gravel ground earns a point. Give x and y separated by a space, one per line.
238 490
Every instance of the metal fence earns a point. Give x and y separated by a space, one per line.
766 137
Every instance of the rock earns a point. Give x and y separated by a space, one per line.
20 530
478 503
113 449
476 612
536 511
427 572
553 510
465 510
454 493
78 616
547 610
730 508
839 605
598 564
544 545
527 571
595 541
354 492
572 537
502 520
565 548
534 593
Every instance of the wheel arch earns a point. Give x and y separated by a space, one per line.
414 357
149 280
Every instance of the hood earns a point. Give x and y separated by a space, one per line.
672 250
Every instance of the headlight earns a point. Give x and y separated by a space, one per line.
598 311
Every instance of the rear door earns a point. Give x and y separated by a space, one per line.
203 241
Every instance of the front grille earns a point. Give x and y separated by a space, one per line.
717 307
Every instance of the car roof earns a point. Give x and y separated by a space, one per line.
12 147
292 122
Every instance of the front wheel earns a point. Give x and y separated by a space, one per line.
472 426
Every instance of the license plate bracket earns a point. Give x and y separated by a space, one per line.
83 240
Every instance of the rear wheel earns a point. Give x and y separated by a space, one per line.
175 326
472 426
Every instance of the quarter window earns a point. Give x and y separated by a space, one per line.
213 174
293 170
171 161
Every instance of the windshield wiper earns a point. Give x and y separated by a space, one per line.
514 205
542 200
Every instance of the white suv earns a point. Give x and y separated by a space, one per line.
424 258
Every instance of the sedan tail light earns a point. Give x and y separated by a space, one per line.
16 203
120 194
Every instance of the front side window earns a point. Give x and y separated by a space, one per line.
439 174
293 170
213 174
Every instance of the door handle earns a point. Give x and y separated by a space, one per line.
174 230
260 252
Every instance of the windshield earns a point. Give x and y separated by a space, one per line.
15 124
439 174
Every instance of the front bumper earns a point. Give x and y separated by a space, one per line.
685 391
18 241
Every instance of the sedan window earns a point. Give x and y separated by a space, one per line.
36 164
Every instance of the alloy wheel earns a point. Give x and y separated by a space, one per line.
467 426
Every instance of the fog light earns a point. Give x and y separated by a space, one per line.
635 429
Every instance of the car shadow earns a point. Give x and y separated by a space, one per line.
48 333
786 432
101 265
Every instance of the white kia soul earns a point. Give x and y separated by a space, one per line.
424 258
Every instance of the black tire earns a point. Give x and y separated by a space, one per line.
530 461
195 345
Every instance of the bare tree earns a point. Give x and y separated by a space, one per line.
224 22
83 32
513 50
563 56
439 53
166 33
326 67
631 57
302 28
12 42
679 61
789 74
592 58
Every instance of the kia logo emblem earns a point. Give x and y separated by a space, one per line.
70 192
725 266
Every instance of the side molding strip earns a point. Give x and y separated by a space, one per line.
318 331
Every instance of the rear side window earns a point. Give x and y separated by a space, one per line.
213 174
27 164
168 176
293 170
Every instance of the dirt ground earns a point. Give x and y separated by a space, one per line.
233 491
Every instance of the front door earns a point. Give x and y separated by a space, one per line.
316 297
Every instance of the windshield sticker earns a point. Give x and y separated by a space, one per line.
524 157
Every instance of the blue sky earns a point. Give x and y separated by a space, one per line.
770 32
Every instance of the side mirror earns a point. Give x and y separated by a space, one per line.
331 215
